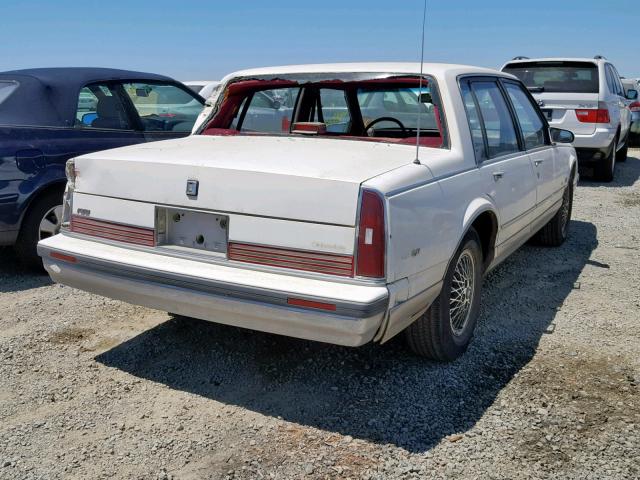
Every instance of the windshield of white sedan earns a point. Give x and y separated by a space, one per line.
546 76
384 110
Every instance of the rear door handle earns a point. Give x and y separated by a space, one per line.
538 162
498 175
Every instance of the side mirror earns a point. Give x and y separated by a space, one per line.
632 94
276 105
561 136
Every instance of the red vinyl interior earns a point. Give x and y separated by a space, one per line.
237 91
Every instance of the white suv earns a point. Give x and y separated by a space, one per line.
586 96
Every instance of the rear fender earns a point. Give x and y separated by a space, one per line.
53 184
404 311
476 208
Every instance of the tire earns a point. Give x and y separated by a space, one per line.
606 170
49 207
435 335
555 232
623 152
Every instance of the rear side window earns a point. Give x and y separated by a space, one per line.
100 106
499 130
6 89
475 124
531 124
613 81
575 77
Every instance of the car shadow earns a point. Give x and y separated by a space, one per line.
380 393
14 277
626 175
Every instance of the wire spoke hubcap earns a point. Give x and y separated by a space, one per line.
50 223
462 292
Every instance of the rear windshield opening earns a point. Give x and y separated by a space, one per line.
383 110
575 77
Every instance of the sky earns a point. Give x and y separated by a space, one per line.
204 40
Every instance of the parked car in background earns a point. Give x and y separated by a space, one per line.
329 228
204 87
585 96
631 84
52 114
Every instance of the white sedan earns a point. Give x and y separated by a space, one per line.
327 222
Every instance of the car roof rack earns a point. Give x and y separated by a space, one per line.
520 57
600 57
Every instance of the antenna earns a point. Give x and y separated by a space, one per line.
424 21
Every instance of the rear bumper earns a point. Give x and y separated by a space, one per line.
592 156
232 296
635 123
601 139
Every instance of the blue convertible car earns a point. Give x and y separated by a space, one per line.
52 114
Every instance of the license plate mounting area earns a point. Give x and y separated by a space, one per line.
192 230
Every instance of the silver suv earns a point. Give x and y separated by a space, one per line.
586 96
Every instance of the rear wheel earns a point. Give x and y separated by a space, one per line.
605 170
443 333
43 220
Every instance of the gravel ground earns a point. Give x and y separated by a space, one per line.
94 388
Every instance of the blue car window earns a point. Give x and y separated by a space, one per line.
99 106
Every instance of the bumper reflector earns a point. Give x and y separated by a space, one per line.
299 302
63 257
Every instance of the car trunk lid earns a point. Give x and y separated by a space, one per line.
304 179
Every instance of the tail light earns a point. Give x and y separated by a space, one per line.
635 107
371 236
593 115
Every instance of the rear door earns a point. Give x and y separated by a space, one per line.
506 169
561 87
535 137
